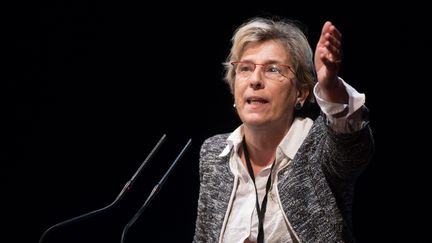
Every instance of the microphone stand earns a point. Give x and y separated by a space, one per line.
153 193
126 188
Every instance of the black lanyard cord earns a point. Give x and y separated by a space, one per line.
260 211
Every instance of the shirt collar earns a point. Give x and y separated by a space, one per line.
289 144
233 140
295 136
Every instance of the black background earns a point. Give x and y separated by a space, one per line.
92 86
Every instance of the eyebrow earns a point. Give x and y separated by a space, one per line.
266 62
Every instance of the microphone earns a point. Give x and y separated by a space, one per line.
126 188
153 193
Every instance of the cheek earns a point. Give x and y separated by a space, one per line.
286 99
238 91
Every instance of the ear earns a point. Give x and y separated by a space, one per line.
302 95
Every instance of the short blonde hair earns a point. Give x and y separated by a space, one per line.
289 34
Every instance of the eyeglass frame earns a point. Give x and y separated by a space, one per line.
264 65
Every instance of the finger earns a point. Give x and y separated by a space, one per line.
325 30
329 59
334 50
335 32
334 44
334 41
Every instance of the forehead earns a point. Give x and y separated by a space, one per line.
264 52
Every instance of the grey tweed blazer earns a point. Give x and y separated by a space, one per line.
316 190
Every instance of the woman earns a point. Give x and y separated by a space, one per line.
280 176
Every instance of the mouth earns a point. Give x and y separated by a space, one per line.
256 100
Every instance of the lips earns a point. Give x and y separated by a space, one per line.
256 100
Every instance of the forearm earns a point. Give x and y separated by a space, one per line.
334 92
342 117
346 155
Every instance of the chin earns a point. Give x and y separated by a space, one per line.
255 122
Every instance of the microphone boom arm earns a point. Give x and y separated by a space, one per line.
153 193
126 188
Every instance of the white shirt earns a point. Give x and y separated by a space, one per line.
241 220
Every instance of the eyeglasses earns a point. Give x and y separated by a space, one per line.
271 71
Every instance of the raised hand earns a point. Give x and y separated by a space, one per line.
328 59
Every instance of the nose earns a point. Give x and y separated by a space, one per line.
256 79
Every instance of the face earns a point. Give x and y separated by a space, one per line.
263 102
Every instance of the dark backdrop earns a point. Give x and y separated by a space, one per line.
92 86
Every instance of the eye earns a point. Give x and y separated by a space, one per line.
245 67
273 68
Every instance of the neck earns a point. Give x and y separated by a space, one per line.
262 145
